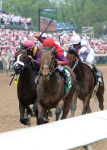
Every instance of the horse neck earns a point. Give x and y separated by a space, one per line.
27 74
80 69
52 80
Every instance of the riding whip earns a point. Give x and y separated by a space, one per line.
48 25
12 78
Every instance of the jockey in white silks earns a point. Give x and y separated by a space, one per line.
85 52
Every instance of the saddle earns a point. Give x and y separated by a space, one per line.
96 83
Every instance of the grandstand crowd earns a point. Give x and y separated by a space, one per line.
8 18
10 41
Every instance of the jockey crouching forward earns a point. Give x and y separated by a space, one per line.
85 52
34 53
60 58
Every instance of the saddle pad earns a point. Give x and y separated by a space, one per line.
69 84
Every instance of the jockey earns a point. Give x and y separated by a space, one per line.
85 52
34 53
60 58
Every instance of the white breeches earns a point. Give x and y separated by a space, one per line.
60 68
88 57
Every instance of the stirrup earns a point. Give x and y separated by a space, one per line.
37 80
98 74
100 81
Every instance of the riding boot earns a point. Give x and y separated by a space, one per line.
38 76
97 73
66 77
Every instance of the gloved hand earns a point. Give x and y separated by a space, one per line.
38 35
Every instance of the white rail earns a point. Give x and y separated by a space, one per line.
59 135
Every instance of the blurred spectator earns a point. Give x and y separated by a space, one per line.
6 61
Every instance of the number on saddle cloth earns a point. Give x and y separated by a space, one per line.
69 84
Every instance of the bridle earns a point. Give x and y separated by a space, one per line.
51 67
21 64
72 51
76 63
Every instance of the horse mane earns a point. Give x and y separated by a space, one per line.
22 46
49 48
72 51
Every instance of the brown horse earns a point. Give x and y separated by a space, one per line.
51 89
85 83
26 88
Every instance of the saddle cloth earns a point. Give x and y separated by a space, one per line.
68 86
16 82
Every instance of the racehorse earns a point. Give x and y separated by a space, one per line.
85 83
51 88
26 88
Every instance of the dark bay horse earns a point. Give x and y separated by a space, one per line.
51 89
85 83
26 88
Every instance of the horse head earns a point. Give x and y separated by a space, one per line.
21 61
72 57
47 61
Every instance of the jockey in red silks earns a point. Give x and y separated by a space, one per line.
60 58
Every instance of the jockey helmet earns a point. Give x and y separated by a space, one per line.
28 43
48 43
75 39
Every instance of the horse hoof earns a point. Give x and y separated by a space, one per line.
50 114
58 111
40 121
24 121
46 120
101 107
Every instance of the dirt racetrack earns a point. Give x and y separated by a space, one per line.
9 109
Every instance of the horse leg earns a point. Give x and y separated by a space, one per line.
40 119
59 109
88 147
73 104
66 109
50 114
86 104
100 97
29 112
45 112
35 109
22 111
89 110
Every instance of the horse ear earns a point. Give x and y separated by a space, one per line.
52 50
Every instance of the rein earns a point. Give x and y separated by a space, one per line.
76 63
12 78
51 68
18 62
